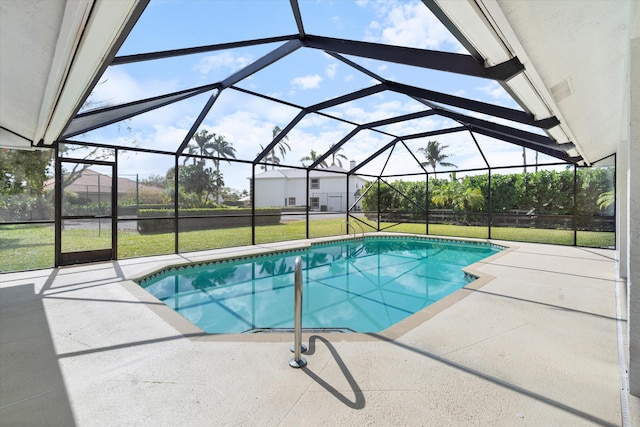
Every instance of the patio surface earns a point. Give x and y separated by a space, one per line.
537 345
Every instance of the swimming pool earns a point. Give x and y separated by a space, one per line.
360 285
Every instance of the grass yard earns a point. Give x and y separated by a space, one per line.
26 247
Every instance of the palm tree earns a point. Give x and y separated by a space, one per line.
218 181
470 199
222 149
281 146
434 155
312 157
459 197
269 158
336 156
606 199
203 141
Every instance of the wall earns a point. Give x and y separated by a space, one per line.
269 192
633 257
274 191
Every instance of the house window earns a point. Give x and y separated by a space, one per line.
314 202
292 201
315 183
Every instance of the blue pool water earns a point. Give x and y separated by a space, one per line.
363 285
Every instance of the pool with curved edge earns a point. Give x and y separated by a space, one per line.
354 285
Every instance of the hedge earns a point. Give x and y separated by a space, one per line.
203 219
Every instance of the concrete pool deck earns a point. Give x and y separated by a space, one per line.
537 345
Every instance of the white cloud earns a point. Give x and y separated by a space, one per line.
223 60
164 137
411 127
311 81
375 107
410 24
116 86
330 70
495 91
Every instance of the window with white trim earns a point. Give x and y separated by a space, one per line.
314 183
292 201
314 202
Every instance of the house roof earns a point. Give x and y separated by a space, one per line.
331 172
90 181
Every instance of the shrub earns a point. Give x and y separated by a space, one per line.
203 219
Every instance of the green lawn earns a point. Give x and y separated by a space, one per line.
24 247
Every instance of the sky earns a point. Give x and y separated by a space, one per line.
303 78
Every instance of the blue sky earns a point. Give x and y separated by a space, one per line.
305 77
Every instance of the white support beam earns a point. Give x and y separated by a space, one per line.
74 20
95 30
633 220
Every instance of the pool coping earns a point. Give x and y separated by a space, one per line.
193 332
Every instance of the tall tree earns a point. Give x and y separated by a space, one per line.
434 153
312 157
218 182
23 171
282 147
208 145
269 158
196 184
155 181
336 156
222 149
203 145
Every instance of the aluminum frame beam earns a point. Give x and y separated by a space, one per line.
347 98
469 104
150 56
280 136
405 137
435 132
335 147
197 123
356 66
295 8
94 119
259 64
431 59
375 155
397 119
558 154
533 138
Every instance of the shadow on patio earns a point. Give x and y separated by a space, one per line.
32 390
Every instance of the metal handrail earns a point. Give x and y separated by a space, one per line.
349 223
297 361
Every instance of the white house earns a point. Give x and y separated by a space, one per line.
327 189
